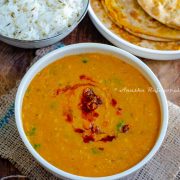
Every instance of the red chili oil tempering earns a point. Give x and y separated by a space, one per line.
88 104
119 111
88 138
78 130
113 102
60 91
84 77
69 117
108 138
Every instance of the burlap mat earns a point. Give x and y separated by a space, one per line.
164 166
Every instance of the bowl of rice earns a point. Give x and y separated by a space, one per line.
39 23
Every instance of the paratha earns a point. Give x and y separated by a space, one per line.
148 37
121 33
165 11
129 15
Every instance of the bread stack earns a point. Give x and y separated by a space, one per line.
150 20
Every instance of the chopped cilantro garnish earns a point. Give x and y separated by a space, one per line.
106 81
113 80
116 81
36 146
53 105
120 125
31 132
95 150
85 60
59 84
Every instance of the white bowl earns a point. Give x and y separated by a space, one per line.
88 48
31 44
132 48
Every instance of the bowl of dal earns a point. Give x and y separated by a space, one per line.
91 111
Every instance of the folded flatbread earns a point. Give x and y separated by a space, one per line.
129 15
165 11
121 33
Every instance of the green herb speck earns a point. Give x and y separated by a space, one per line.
59 84
85 60
36 146
106 81
31 132
53 105
113 80
120 125
117 81
95 150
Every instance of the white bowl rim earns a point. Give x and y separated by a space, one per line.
103 47
126 43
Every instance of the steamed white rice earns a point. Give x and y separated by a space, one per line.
37 19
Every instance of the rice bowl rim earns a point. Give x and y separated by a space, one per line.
81 16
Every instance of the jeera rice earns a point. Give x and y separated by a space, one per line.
37 19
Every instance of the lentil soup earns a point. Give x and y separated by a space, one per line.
91 115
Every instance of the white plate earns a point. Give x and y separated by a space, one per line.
132 48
